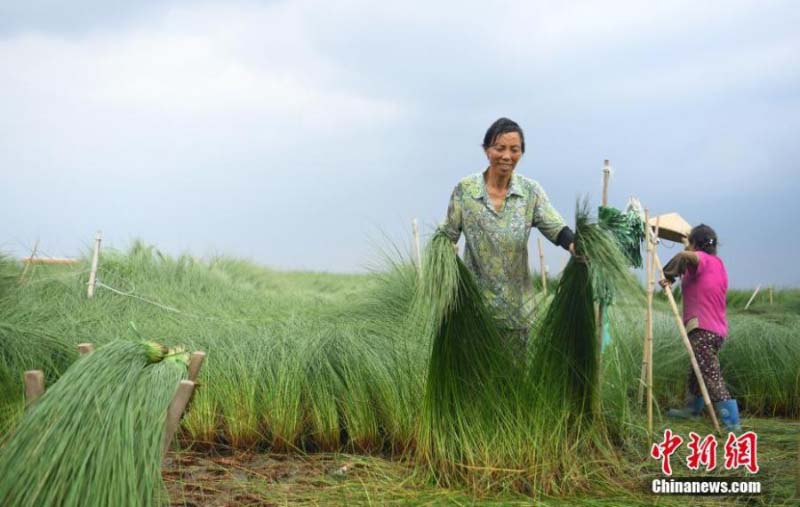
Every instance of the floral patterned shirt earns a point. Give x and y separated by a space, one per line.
497 241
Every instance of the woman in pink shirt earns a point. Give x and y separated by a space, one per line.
704 283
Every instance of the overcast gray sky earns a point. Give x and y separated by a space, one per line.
299 133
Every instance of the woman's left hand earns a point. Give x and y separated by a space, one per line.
578 258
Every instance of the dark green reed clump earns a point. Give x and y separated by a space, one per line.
469 393
94 438
26 343
567 355
9 273
24 346
494 416
565 373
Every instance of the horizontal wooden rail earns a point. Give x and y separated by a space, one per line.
49 260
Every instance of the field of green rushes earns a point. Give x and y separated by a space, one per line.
302 362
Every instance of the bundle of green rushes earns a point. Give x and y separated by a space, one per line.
94 438
492 419
470 373
565 376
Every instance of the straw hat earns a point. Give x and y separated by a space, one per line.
672 227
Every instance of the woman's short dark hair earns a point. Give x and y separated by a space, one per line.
704 239
500 127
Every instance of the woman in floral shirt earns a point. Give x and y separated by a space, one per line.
495 210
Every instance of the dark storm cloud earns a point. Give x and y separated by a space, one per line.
296 132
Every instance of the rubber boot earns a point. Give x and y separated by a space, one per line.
728 412
692 410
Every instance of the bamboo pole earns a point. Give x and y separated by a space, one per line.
650 334
648 323
85 349
95 260
688 344
195 362
646 378
34 386
755 292
542 268
417 253
174 413
28 264
600 309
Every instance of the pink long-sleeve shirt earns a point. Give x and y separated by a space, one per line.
704 287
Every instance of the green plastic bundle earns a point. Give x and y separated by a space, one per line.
628 230
609 256
94 438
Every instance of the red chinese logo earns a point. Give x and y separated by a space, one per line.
742 451
702 452
665 449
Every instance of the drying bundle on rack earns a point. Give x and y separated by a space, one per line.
95 437
628 229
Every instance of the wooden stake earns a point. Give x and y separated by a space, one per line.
85 348
752 297
95 260
770 296
650 333
542 266
417 254
195 362
648 323
28 264
688 344
34 386
646 378
600 308
174 413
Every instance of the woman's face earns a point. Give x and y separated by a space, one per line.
504 154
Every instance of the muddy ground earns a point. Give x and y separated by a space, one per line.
225 478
